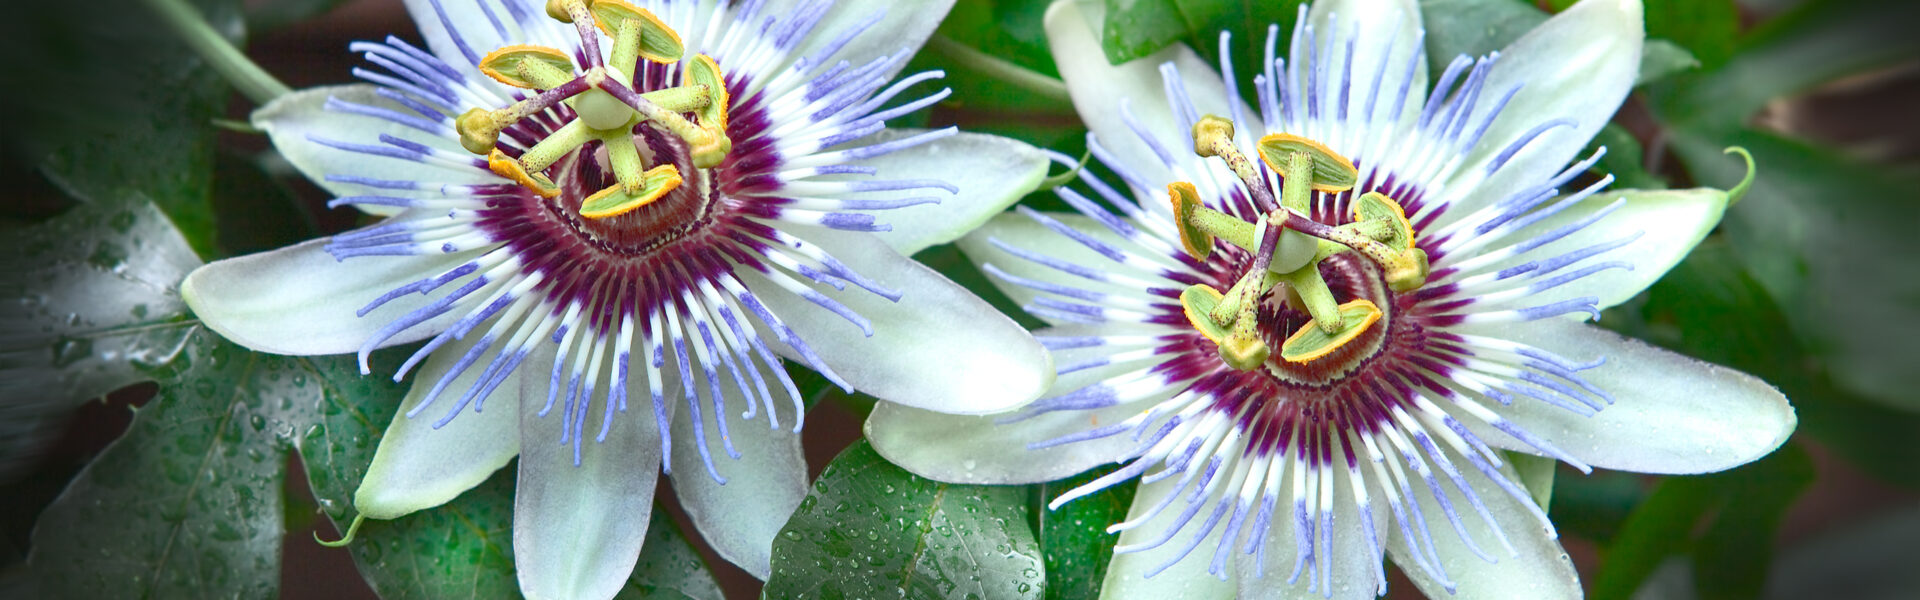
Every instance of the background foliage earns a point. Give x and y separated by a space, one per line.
122 180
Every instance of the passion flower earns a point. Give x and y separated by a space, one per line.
1321 329
611 225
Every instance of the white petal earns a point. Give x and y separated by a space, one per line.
293 122
418 466
740 518
577 529
991 173
902 28
1671 413
1356 564
1099 89
1021 231
468 21
1579 65
299 300
1538 568
1376 19
979 450
1668 223
1126 578
939 348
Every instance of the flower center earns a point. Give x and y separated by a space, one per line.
1285 280
611 116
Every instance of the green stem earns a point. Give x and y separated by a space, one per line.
999 68
229 61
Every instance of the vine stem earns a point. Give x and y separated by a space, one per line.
226 59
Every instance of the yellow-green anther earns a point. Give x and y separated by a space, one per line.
1380 218
704 73
625 159
479 130
563 10
563 140
657 42
626 50
1409 271
1213 136
1198 301
1331 171
1310 342
1319 299
528 66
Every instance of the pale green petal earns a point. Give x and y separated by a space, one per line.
299 300
418 466
939 348
1357 566
1021 231
981 450
1664 225
1538 568
903 27
295 120
1377 18
991 173
741 517
1099 90
1577 66
1671 414
1126 573
577 529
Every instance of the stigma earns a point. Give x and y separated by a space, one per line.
603 97
1288 246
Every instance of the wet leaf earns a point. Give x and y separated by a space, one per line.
1741 509
463 548
869 529
1830 241
1075 537
1816 42
188 502
94 307
130 120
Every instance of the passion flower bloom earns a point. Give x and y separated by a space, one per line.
610 225
1323 328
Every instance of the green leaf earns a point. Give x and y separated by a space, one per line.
1705 28
1536 474
188 502
1136 28
463 548
1873 558
1711 308
1075 537
869 529
1624 160
1830 240
95 303
1816 42
125 109
1743 508
258 212
1661 59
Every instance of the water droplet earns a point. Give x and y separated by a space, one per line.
68 350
